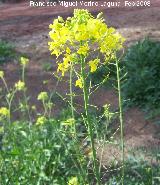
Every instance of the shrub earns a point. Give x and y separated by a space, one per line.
142 64
6 51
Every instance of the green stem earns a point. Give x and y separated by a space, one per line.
120 118
71 95
71 90
5 84
25 97
9 101
80 167
23 70
89 124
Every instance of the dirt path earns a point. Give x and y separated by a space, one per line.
27 28
18 20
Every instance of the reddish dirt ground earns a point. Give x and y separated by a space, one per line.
27 28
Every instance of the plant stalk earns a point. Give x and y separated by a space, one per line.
120 118
89 124
71 95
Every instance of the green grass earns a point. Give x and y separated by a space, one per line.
137 172
39 154
7 52
47 154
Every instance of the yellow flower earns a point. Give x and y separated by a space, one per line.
66 61
73 181
83 50
79 83
41 120
4 112
24 61
68 51
33 107
60 19
1 74
94 64
69 122
81 36
62 67
20 85
43 96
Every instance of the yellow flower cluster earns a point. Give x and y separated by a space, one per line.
41 120
79 83
94 64
73 181
20 85
43 96
63 67
4 112
83 50
68 122
80 35
24 61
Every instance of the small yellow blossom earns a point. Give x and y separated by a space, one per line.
69 122
43 96
79 83
33 107
1 74
24 61
63 67
4 112
20 85
83 50
60 19
41 120
73 181
94 64
66 61
68 51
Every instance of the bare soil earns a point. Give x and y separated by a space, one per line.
27 28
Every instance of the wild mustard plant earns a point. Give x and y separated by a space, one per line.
24 62
74 41
46 101
54 157
18 86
